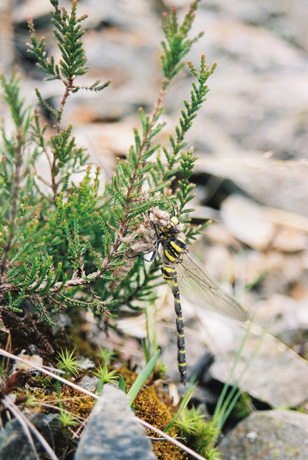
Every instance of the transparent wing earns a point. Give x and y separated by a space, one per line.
201 289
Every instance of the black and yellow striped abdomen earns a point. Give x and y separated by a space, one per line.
169 273
173 247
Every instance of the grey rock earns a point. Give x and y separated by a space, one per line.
85 363
275 374
62 321
268 435
248 222
89 383
14 444
113 431
285 19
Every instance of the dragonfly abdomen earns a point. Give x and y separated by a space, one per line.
169 274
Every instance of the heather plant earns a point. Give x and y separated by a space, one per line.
62 243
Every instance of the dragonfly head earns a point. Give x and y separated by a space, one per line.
174 226
166 224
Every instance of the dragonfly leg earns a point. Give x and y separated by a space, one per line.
157 243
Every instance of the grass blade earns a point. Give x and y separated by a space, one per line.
142 378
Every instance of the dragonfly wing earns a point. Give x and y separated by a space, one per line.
201 289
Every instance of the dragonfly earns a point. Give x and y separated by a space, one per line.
187 277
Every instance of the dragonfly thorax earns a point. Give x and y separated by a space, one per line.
173 246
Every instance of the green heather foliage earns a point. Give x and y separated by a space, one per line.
62 243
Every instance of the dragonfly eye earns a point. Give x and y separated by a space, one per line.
174 221
172 226
175 227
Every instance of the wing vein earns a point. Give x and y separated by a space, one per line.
200 288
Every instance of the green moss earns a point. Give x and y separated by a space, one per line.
154 406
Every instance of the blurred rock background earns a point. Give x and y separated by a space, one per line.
252 128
